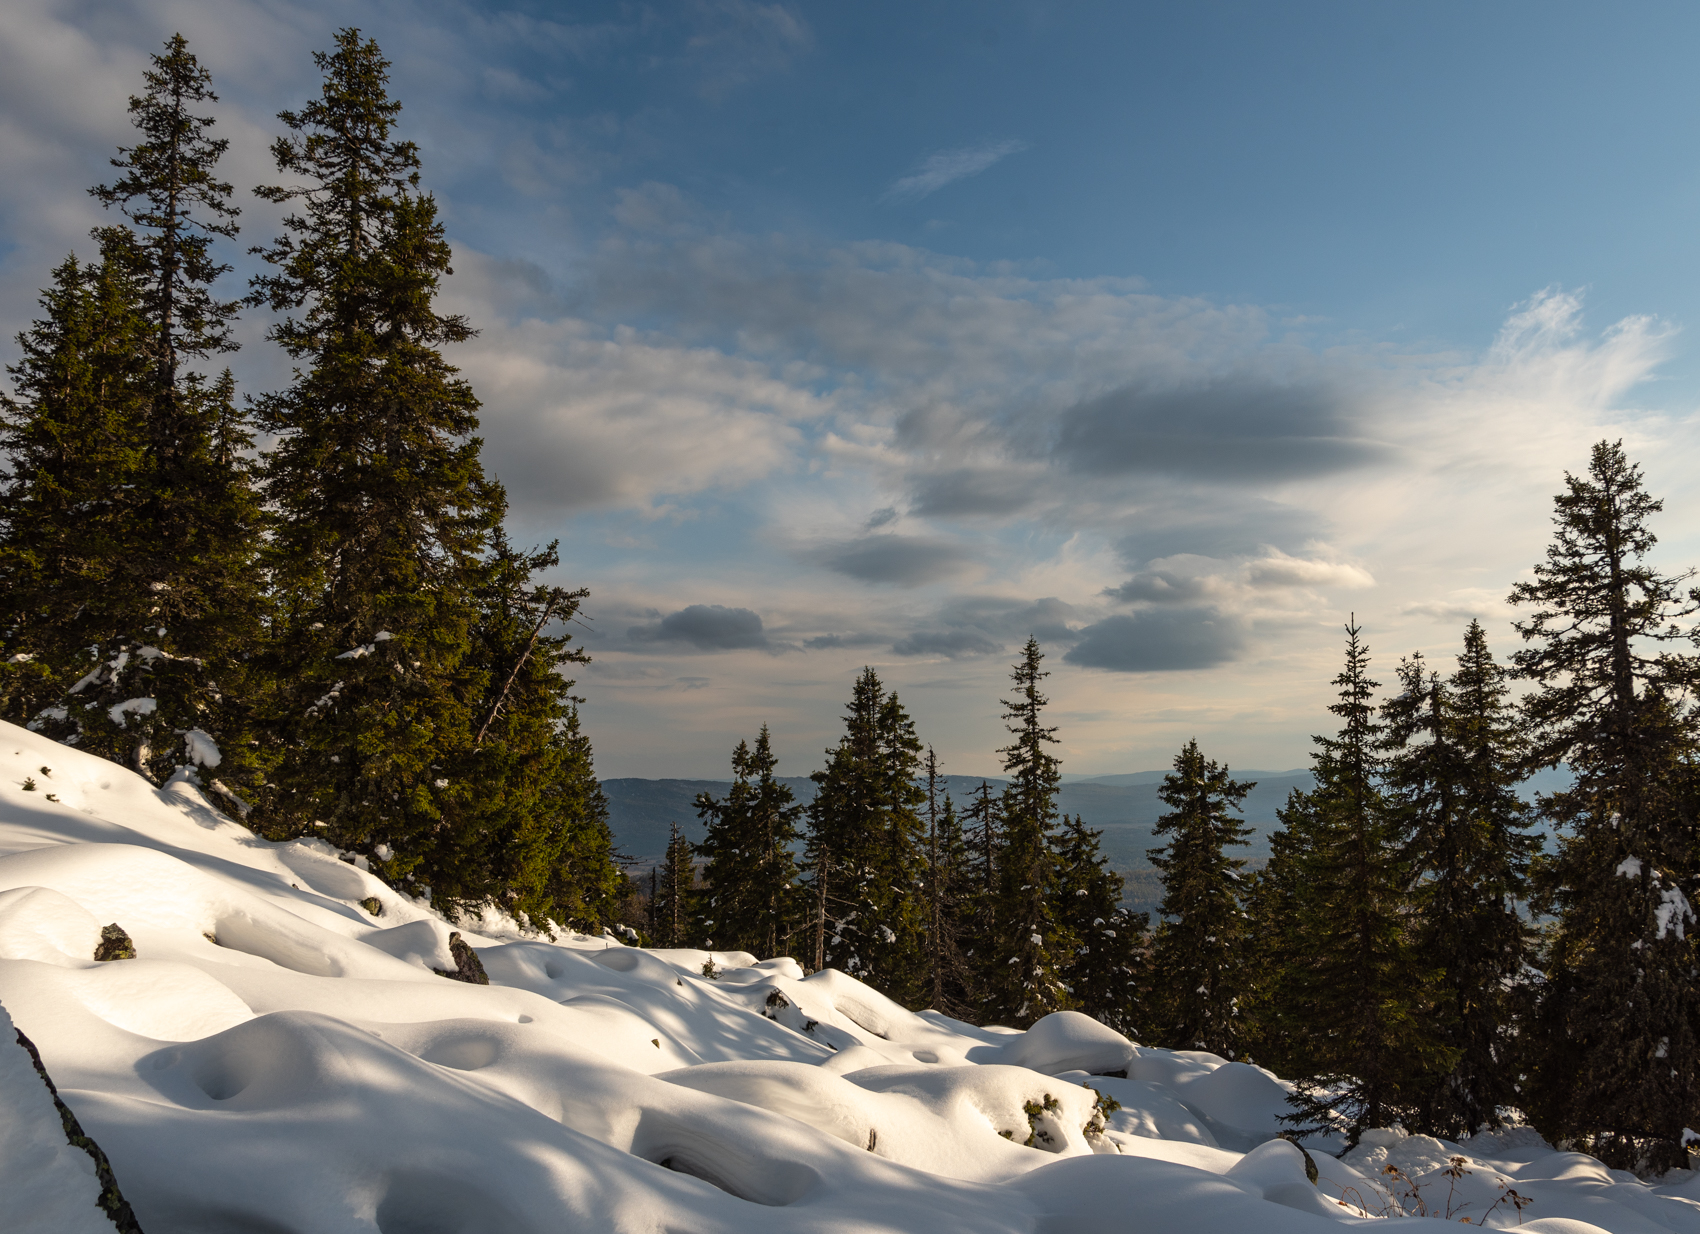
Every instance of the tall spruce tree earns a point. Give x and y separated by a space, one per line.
750 903
1617 1053
1198 954
1031 946
73 441
982 834
670 909
1353 1001
384 515
1454 754
1105 971
949 891
165 683
864 849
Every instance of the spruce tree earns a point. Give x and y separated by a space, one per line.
1616 1054
977 928
750 901
1198 959
167 683
1030 945
73 440
582 875
671 907
1104 972
525 824
864 853
949 891
1353 1002
1455 749
384 515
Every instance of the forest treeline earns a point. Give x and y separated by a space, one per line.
1409 955
332 635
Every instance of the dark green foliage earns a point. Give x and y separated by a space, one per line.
750 903
127 559
384 513
976 927
1105 970
185 598
1455 749
1030 946
670 904
1349 1003
951 894
864 853
1616 1049
73 440
1198 963
170 192
525 823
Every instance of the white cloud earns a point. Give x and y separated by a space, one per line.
948 166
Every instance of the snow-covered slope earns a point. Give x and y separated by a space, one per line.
278 1058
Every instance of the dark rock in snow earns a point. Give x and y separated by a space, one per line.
111 1201
114 944
468 967
371 905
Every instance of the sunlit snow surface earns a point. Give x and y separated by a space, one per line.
277 1060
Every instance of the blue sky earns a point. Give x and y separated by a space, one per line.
828 334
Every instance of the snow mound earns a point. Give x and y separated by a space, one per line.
277 1058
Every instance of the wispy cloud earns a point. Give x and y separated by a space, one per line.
948 166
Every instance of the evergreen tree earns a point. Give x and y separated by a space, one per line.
1103 973
750 901
524 822
864 851
1455 750
165 682
171 192
384 513
1617 1051
977 928
949 891
1352 1003
1030 946
582 877
1198 959
671 906
73 441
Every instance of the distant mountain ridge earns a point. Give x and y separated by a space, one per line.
1125 807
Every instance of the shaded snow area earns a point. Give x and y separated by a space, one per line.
278 1059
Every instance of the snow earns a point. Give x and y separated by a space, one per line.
278 1058
121 712
201 749
48 1184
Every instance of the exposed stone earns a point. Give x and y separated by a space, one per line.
111 1201
468 967
114 944
372 905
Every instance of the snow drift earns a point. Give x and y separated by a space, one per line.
278 1059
